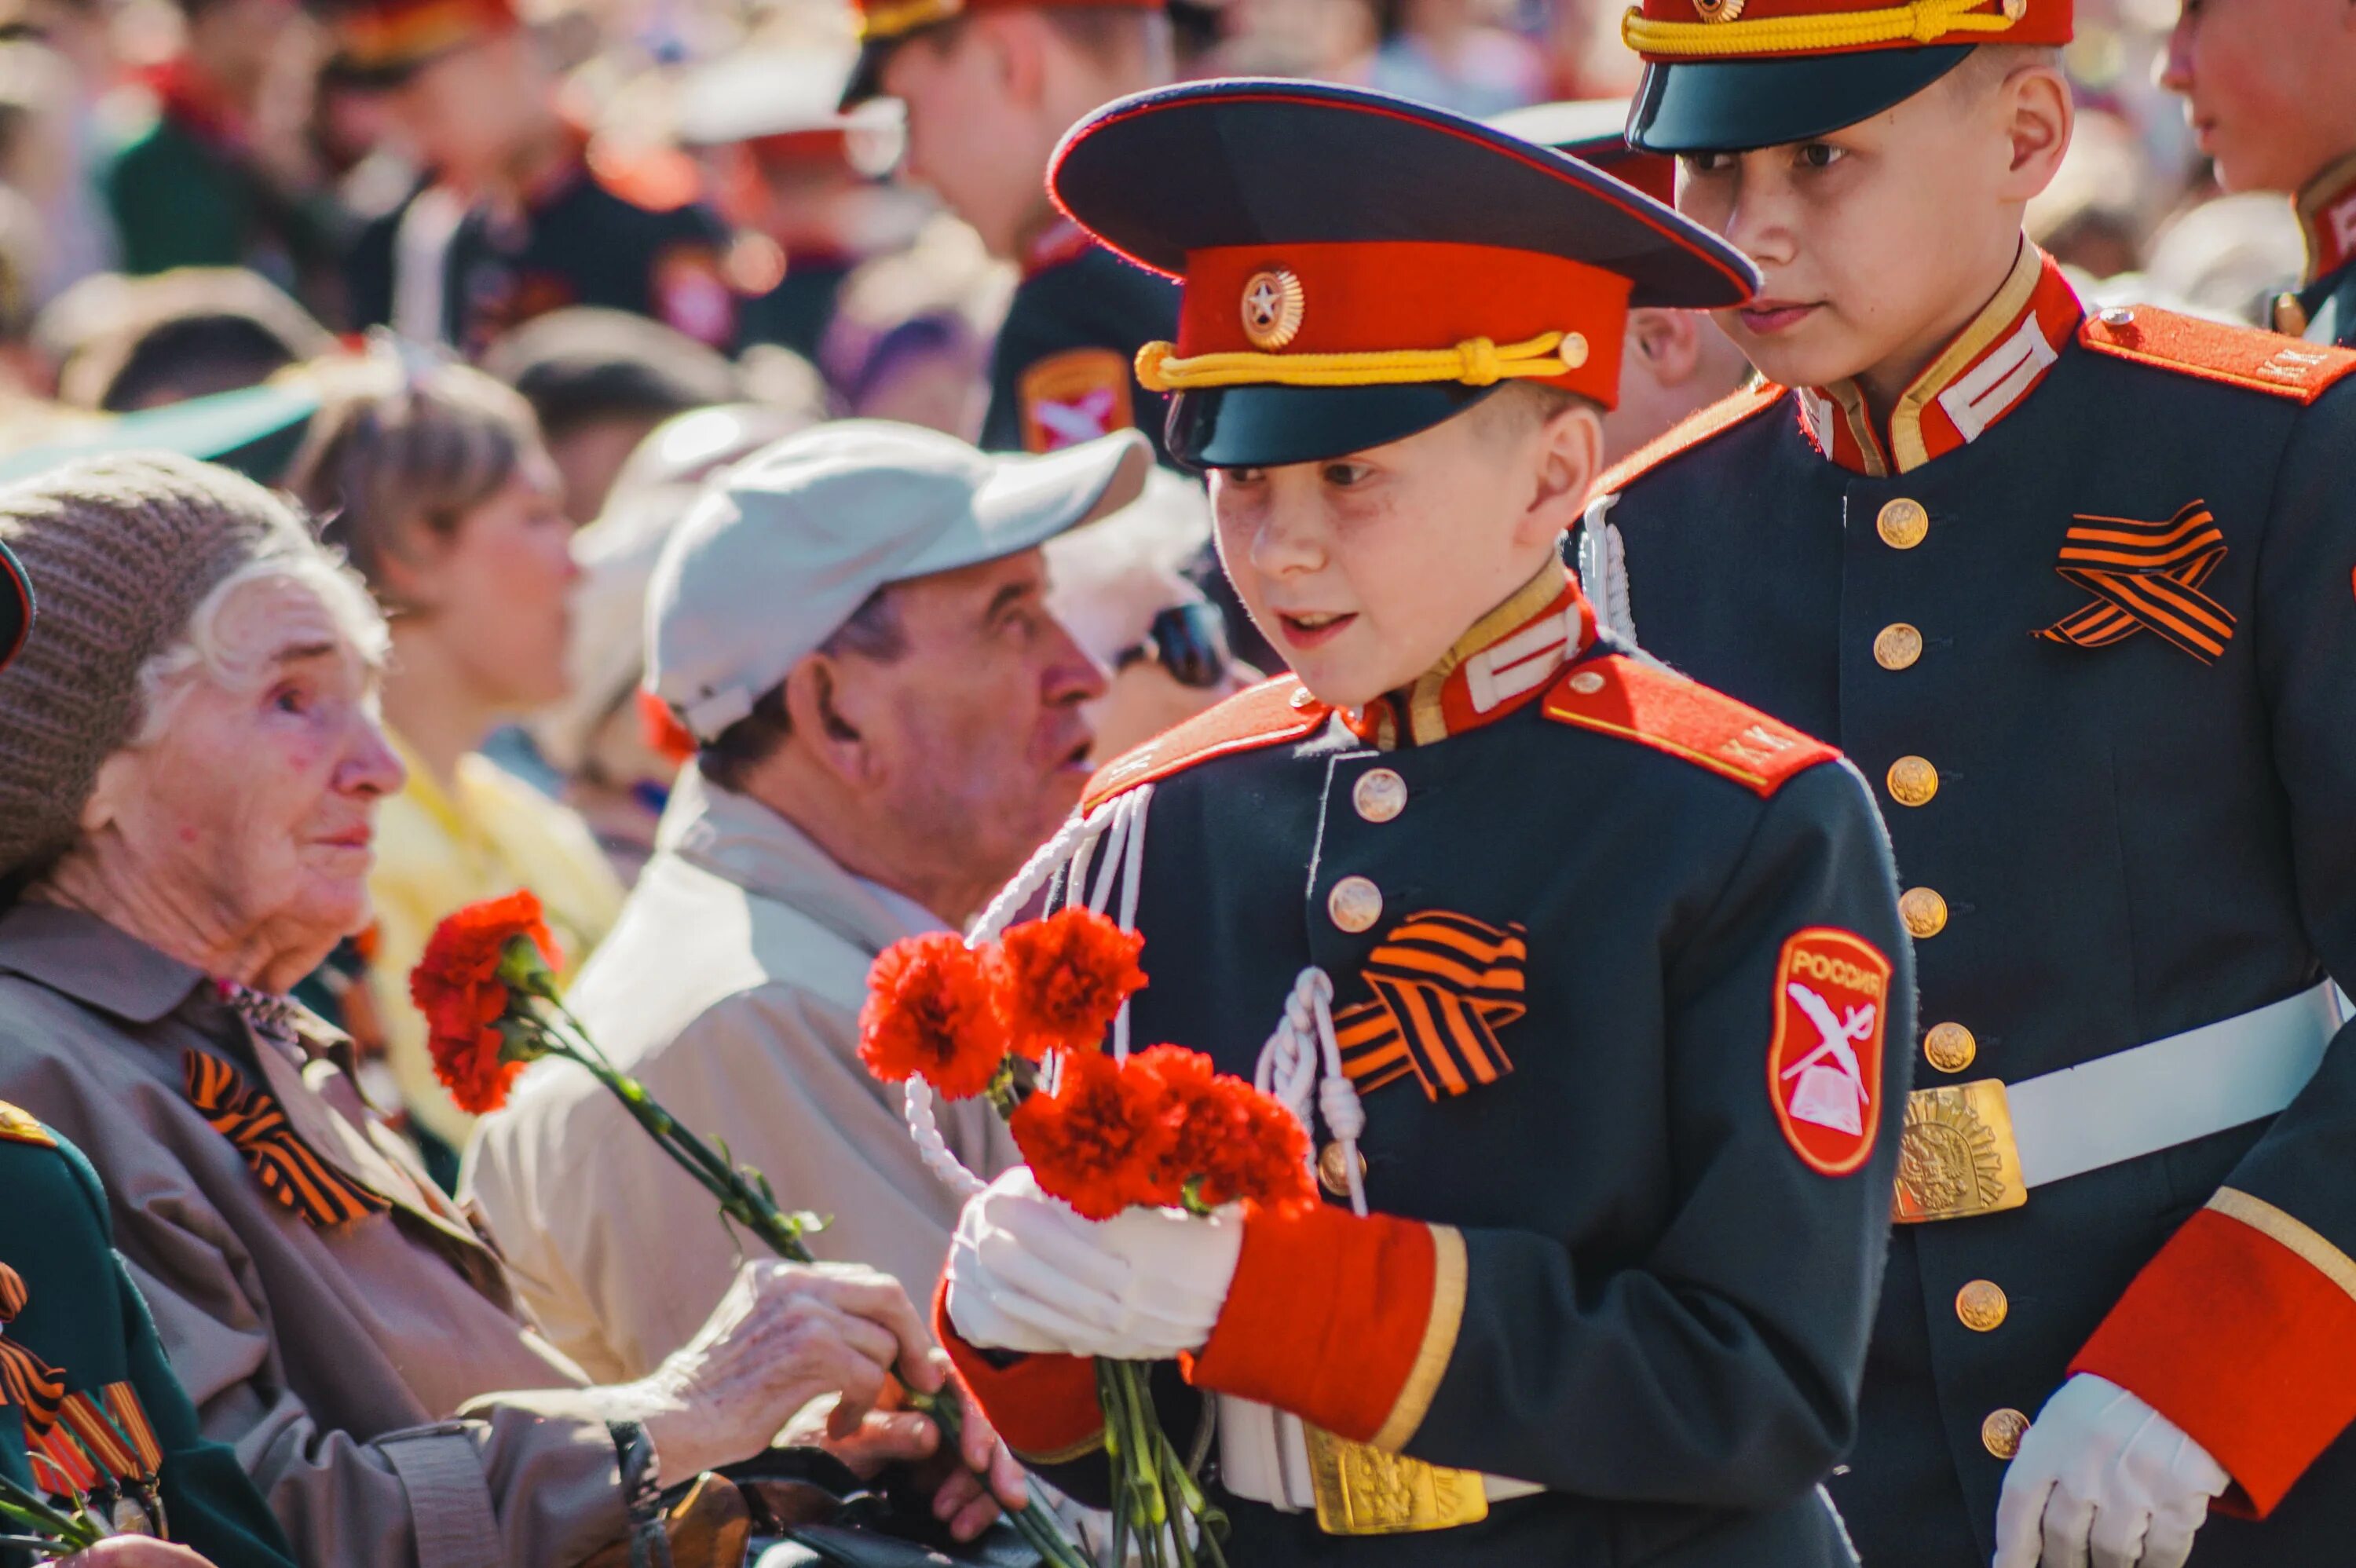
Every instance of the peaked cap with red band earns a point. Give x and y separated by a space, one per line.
1595 132
1727 75
1358 267
381 42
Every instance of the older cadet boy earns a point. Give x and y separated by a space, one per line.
989 85
2270 88
2075 592
1610 960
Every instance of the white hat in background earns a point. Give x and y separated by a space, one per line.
780 554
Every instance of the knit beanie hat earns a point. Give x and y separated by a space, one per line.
121 549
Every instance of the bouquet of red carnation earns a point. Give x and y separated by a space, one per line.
487 988
1102 1132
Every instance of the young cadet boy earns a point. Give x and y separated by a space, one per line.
2270 88
2075 592
1609 961
990 86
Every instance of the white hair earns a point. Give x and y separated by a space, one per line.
202 650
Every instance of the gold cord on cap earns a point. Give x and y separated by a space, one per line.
1921 22
1476 362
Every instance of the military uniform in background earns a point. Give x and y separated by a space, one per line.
1613 958
2081 609
87 1402
2323 309
1063 368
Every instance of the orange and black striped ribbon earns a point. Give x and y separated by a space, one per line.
2145 576
1443 985
27 1381
288 1169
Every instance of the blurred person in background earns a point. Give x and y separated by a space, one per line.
600 382
25 371
616 758
991 86
1454 53
1673 363
219 173
795 177
80 71
433 479
853 627
1121 586
2270 89
194 761
521 218
123 344
912 333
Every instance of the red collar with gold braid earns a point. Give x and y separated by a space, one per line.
2327 218
1506 660
1982 376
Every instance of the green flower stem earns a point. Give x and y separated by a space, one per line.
28 1511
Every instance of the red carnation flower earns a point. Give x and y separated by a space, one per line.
1228 1141
1095 1142
460 988
1067 976
933 1011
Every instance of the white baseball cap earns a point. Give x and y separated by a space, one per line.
772 561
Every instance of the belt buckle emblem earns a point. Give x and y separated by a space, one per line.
1362 1490
1956 1157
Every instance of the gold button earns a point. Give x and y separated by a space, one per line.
1982 1306
1355 904
1923 910
1334 1173
1912 781
1587 683
1379 794
2000 1433
1903 523
1302 696
1897 646
1950 1047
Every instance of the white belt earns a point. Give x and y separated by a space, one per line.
1978 1148
1264 1458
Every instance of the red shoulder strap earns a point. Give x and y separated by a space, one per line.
2235 355
1268 714
1657 708
1701 425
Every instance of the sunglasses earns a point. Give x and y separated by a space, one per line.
1190 641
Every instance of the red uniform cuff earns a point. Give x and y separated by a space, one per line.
2242 1331
1346 1322
1044 1406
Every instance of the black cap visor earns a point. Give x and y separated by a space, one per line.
867 73
1266 427
1731 106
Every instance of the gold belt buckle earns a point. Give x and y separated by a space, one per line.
1956 1157
1362 1490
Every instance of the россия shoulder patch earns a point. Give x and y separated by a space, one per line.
1823 1065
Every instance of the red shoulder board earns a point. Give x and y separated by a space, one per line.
1701 425
1268 714
1663 709
2237 355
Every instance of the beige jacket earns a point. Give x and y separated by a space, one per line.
357 1369
731 988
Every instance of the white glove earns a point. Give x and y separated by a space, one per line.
2104 1477
1027 1273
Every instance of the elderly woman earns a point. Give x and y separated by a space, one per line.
186 802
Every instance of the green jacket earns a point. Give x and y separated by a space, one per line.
83 1318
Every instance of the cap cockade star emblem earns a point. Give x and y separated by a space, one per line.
1273 307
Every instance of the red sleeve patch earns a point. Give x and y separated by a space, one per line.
1661 708
2235 355
1268 714
1073 397
1703 424
1824 1069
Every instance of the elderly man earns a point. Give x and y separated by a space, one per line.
854 629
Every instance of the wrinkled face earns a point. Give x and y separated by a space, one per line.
1874 240
2269 86
256 802
498 591
962 126
978 742
1362 571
